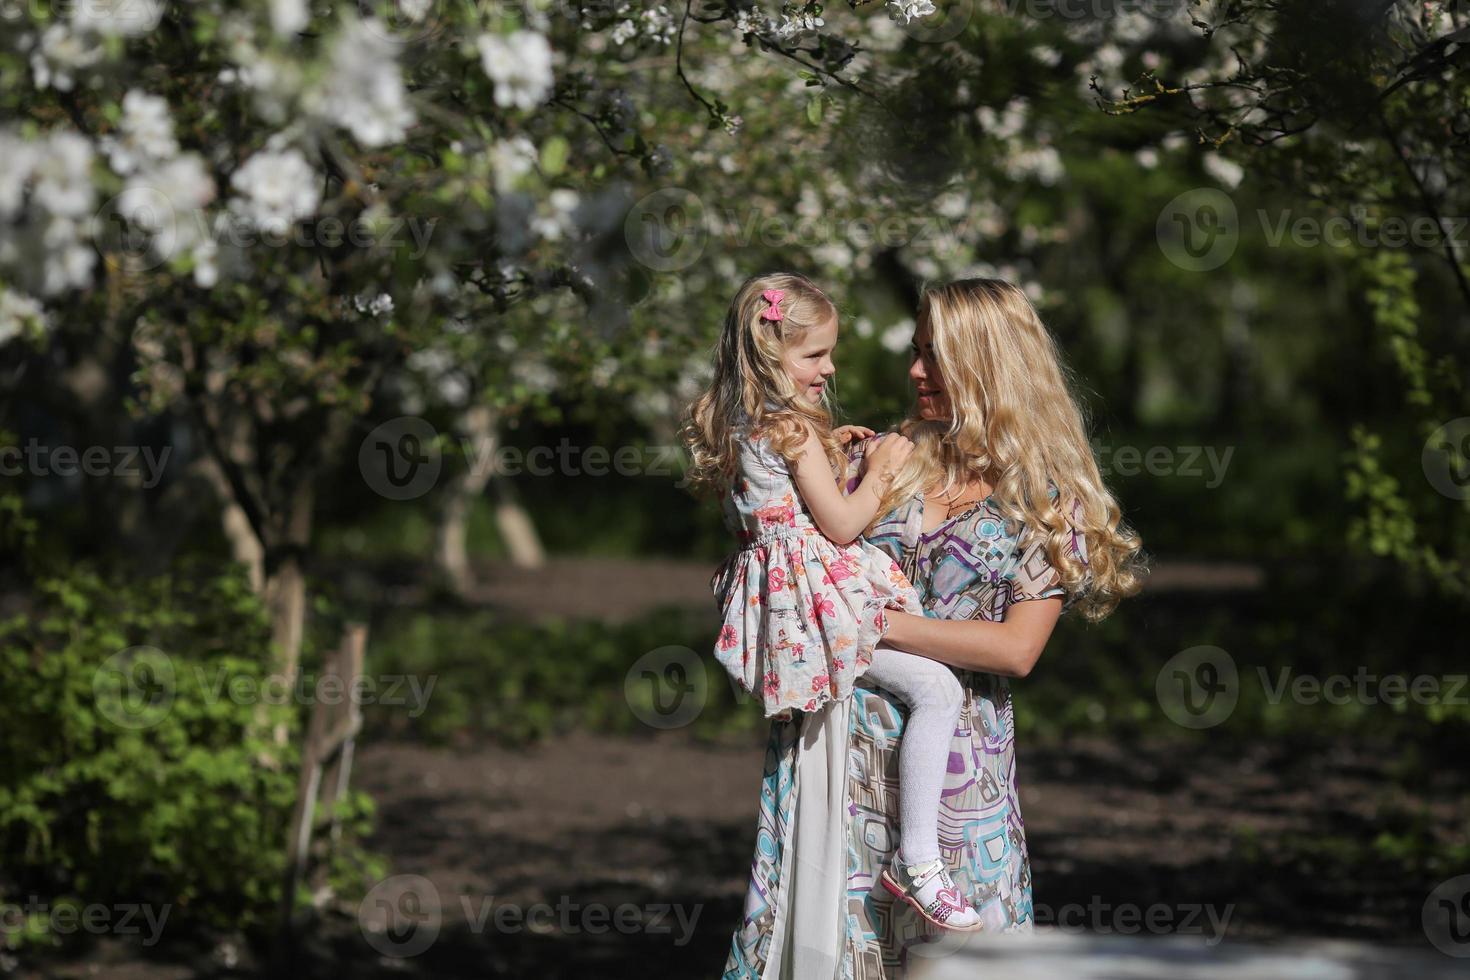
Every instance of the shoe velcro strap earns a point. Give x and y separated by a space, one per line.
933 868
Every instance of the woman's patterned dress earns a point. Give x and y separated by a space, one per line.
971 567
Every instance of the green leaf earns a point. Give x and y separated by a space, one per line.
554 155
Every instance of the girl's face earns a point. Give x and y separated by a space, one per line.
808 361
924 372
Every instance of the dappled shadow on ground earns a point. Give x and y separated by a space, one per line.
1274 839
613 857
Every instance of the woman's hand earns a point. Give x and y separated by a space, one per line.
847 433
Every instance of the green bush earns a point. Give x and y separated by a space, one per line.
517 682
128 772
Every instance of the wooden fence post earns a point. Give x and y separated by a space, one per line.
326 765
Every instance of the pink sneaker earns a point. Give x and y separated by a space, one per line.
932 892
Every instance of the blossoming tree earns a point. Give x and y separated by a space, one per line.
257 211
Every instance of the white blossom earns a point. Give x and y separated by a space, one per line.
838 255
895 339
657 25
623 32
905 11
511 159
289 17
206 263
169 203
535 374
17 159
415 10
17 312
274 82
789 27
1047 55
1133 25
147 134
378 305
64 174
558 222
60 53
604 371
118 18
1043 163
49 244
69 255
753 22
1223 169
1007 124
275 190
363 88
952 204
519 64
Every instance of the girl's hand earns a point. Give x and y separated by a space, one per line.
847 433
891 453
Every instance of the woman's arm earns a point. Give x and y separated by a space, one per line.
1010 648
842 518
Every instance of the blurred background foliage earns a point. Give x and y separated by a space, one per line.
1292 389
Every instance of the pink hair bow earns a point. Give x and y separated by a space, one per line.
774 297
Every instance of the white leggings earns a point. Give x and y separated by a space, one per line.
934 698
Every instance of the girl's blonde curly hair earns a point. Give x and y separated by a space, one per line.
751 393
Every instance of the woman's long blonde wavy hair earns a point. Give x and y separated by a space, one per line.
1015 420
750 383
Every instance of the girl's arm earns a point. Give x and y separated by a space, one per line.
841 518
1010 648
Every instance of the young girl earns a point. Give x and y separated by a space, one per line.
803 601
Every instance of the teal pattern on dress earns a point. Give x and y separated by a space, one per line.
973 566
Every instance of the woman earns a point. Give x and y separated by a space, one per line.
977 521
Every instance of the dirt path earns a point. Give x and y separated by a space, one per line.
1259 844
585 820
615 590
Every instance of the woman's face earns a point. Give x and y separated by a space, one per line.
924 372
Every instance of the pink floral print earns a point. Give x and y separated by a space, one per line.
791 600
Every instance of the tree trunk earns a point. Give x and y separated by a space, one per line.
285 584
245 547
516 527
285 592
479 425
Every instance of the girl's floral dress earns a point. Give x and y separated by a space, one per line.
799 614
975 565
